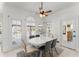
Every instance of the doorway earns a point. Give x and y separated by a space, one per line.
69 33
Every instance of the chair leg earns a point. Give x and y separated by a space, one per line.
56 50
46 53
52 51
41 53
49 52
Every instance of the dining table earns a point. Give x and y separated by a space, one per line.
40 41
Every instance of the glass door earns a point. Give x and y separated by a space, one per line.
16 32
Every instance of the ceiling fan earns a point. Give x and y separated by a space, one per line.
43 12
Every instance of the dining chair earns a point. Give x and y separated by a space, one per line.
53 46
31 37
47 50
37 35
41 49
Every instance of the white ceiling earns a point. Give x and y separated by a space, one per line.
34 6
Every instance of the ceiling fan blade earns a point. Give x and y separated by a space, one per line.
53 13
46 14
48 11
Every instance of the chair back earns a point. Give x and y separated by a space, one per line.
37 35
31 37
53 43
48 45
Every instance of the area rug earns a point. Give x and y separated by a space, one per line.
59 50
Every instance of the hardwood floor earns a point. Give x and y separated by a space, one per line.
65 53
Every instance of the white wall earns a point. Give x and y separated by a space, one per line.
70 14
13 13
19 14
10 13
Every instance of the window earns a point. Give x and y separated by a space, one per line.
16 31
32 30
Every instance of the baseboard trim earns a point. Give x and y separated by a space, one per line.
69 48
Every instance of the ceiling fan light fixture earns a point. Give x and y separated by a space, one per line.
41 15
44 15
43 12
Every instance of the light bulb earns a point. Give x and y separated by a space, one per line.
41 15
